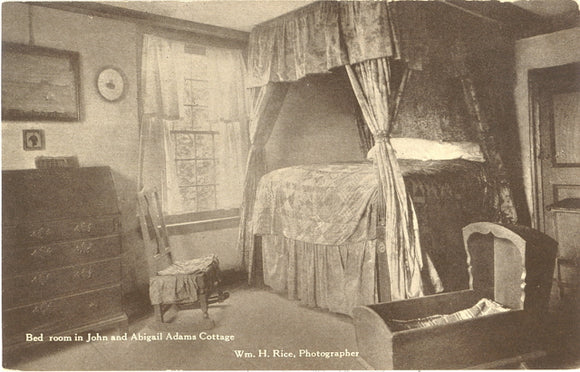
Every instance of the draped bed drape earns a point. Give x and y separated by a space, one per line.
371 86
364 37
265 105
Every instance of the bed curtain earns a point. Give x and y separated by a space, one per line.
362 37
371 85
265 105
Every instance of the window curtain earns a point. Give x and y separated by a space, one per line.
266 102
227 111
161 89
370 82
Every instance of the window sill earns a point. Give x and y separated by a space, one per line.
203 221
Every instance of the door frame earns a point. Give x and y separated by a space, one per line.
537 79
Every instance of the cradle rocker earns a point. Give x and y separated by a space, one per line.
497 321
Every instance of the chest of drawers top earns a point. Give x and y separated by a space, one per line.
35 196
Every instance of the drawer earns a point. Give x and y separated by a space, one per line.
31 288
59 230
59 315
20 260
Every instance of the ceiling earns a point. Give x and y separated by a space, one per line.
243 15
240 15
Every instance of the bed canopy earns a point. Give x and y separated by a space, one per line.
381 45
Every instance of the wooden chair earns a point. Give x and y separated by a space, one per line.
180 284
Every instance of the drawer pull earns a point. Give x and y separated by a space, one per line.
42 308
41 251
92 305
85 227
84 273
84 247
40 233
40 279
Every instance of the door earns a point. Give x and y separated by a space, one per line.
556 113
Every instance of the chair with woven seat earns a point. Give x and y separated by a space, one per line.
179 284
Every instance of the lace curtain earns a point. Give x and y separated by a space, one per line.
227 111
161 97
163 110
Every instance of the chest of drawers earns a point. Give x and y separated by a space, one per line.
61 253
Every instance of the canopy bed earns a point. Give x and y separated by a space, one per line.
411 67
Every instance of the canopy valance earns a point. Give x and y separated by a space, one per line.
317 38
329 34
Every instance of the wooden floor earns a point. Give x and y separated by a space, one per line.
258 320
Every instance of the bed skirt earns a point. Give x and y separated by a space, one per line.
336 278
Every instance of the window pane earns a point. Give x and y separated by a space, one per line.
188 198
204 145
185 122
199 92
198 66
184 146
187 64
188 92
186 172
205 172
206 198
200 119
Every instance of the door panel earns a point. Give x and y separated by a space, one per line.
556 101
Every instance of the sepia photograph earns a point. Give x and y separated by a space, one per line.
344 185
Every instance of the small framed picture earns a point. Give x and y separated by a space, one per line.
33 139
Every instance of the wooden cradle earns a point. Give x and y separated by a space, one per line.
510 265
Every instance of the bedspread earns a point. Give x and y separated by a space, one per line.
319 204
334 204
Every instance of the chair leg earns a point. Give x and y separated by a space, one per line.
207 323
203 304
158 313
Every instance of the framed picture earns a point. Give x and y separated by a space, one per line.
33 139
39 84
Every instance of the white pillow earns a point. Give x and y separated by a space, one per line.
422 149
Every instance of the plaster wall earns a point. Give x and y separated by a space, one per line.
316 124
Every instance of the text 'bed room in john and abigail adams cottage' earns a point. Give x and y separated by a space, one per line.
307 185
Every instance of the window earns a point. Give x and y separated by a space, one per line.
195 139
194 132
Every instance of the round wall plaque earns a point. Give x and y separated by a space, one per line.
111 83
